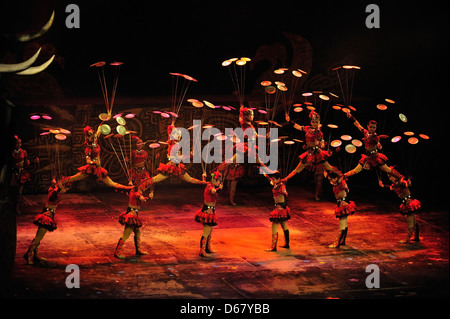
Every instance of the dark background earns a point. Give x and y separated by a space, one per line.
406 59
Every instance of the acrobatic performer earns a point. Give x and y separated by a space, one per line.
132 222
315 154
409 207
93 165
20 176
139 161
280 215
207 214
344 207
373 158
232 174
248 148
174 166
45 221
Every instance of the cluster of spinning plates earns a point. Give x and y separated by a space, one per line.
411 138
350 147
121 130
242 61
59 133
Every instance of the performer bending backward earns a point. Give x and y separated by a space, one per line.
372 158
315 155
207 214
344 207
280 215
409 206
93 165
45 221
132 222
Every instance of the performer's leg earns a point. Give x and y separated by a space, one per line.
273 246
342 226
109 182
209 249
30 254
186 177
416 229
206 232
297 170
391 171
333 169
354 171
74 178
137 242
411 222
126 233
233 184
318 179
345 225
19 196
286 235
159 178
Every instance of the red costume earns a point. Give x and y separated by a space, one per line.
19 175
314 156
131 216
372 158
139 171
249 132
207 214
46 219
234 171
344 207
174 167
281 211
408 204
93 151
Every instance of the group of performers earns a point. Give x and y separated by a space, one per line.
314 155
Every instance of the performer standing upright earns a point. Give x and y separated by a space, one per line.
132 222
207 214
344 207
409 206
93 165
281 214
232 174
20 176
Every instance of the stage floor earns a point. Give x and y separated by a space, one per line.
88 232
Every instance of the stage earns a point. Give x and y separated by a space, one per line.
241 269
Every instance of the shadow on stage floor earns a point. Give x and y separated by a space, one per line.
88 232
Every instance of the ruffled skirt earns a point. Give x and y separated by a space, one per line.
411 205
368 162
130 218
202 216
91 169
280 215
46 220
345 209
314 158
171 169
138 175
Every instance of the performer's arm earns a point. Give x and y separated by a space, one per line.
295 125
268 178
